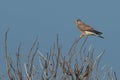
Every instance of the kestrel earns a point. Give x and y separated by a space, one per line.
87 30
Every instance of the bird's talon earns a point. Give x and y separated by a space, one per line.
81 36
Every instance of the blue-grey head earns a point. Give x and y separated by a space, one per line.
78 21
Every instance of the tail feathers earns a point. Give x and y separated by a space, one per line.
101 36
97 32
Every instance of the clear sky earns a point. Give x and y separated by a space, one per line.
45 18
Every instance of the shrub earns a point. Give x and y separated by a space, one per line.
75 65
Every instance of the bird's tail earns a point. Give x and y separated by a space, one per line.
101 36
97 32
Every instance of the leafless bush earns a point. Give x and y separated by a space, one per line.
74 65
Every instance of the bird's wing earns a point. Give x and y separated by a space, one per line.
85 27
89 28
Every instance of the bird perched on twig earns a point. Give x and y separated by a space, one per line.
86 30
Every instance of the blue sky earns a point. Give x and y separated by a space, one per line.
45 18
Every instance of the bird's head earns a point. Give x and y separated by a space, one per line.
78 21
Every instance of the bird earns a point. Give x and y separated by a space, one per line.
87 30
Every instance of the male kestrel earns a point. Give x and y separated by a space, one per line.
87 30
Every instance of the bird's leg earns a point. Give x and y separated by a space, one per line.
81 36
